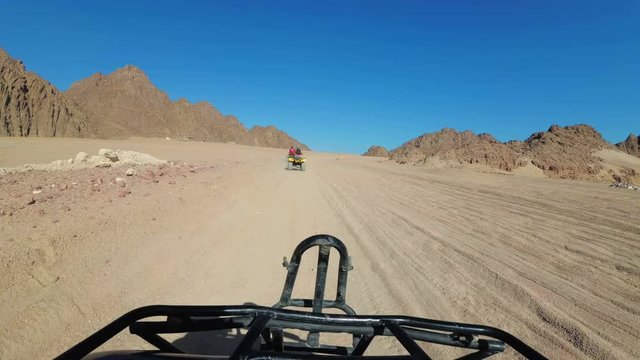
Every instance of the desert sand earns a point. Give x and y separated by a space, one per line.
553 262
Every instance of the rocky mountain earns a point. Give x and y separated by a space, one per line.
122 104
378 151
270 136
631 145
566 152
126 103
31 106
569 152
462 147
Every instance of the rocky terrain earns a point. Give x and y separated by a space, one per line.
31 106
462 147
631 145
566 152
122 104
377 151
560 152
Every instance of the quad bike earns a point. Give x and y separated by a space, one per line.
268 329
296 162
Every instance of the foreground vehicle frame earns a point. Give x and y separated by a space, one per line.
265 325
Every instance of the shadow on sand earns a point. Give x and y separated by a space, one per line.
218 342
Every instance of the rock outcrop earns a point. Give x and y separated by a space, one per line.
377 151
631 145
566 152
462 147
31 106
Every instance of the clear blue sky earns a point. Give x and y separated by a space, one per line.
343 75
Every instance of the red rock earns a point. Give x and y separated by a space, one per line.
122 193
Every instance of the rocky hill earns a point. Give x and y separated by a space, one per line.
122 104
126 103
631 145
31 106
270 136
462 147
566 152
378 151
569 152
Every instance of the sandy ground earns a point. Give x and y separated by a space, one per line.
553 262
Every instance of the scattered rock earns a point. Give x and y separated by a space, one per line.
624 185
36 192
109 154
122 193
32 201
130 172
149 174
81 157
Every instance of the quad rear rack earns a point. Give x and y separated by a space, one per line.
265 327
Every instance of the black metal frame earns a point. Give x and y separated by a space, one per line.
264 338
324 243
258 320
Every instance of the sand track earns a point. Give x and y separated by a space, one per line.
552 262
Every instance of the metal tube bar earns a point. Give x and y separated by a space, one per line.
408 343
256 328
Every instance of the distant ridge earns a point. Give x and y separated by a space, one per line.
569 152
122 104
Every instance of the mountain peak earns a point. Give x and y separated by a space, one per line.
631 145
129 72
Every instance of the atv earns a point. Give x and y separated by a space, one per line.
265 333
296 162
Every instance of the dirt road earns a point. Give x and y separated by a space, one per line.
555 263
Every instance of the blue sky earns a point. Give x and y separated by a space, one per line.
343 75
